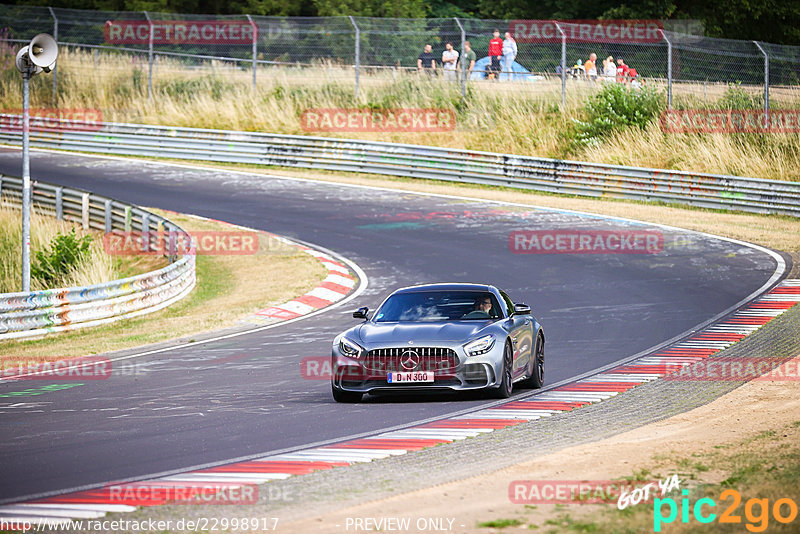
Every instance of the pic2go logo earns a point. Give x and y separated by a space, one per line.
756 511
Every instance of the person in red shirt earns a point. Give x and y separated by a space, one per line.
622 71
495 53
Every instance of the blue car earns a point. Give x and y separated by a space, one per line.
439 337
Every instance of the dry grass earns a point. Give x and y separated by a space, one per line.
97 267
773 156
520 118
228 289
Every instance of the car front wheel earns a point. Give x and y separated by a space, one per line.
506 380
536 368
339 395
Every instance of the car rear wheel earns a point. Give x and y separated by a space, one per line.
506 381
340 395
536 367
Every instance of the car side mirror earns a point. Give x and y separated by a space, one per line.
361 313
522 309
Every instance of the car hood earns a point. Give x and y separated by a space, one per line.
381 333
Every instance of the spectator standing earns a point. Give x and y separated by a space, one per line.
426 62
609 70
636 81
509 55
449 62
590 68
495 53
469 58
622 71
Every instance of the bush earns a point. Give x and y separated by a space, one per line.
60 257
617 107
735 97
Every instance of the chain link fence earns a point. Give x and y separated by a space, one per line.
550 55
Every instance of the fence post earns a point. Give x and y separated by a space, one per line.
60 203
55 67
563 65
149 57
358 49
766 76
108 215
669 69
255 47
146 232
464 65
85 210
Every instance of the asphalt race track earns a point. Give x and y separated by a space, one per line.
240 396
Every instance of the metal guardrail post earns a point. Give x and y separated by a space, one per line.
464 66
255 47
60 203
766 76
150 56
357 51
563 65
85 211
108 225
669 69
55 66
145 232
128 217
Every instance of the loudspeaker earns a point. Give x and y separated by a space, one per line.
39 55
43 50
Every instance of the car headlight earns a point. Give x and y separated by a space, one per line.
482 345
349 349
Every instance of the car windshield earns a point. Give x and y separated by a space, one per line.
439 306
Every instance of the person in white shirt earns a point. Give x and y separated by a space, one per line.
450 61
509 55
609 70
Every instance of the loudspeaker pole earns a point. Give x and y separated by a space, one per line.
39 56
26 182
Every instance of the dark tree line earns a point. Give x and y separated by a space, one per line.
775 21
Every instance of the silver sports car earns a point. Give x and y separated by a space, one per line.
439 337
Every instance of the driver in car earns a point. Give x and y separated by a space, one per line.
482 310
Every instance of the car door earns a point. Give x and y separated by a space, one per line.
519 329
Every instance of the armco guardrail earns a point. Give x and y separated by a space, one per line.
53 310
541 174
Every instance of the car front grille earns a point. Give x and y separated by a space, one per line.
436 359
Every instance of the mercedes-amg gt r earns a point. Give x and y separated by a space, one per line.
439 337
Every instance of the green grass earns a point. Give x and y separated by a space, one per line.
501 523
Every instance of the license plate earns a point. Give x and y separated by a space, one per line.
420 376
